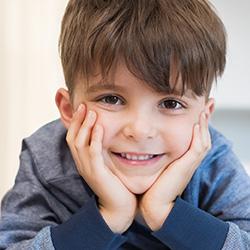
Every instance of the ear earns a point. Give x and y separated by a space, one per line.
209 107
64 106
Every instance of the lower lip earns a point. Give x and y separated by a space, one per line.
138 162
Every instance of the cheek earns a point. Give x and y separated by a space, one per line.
183 132
181 137
109 127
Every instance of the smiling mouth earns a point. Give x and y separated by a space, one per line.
137 157
138 160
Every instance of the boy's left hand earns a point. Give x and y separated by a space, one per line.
156 204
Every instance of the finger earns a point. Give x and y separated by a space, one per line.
205 134
195 148
81 147
197 151
73 130
83 137
95 150
107 181
76 123
179 172
201 142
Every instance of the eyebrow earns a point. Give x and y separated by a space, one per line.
103 86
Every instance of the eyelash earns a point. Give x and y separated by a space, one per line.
177 105
107 100
104 99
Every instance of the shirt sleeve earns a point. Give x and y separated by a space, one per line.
188 227
41 241
88 229
236 238
25 212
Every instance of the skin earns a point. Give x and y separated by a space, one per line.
166 135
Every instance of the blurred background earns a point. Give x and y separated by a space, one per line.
30 74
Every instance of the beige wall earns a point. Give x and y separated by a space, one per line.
30 70
30 73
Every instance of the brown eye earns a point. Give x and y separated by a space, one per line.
170 104
112 100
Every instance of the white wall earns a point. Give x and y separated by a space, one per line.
30 70
232 114
233 89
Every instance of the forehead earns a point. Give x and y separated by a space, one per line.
123 80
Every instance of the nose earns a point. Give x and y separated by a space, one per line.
140 127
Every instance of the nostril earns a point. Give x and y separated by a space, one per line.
140 132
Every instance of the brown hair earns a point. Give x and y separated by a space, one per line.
149 36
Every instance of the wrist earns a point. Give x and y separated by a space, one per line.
156 216
117 222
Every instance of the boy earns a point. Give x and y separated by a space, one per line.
128 166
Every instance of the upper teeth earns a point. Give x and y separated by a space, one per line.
137 157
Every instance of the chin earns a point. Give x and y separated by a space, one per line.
139 188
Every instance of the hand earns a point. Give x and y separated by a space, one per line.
156 204
117 205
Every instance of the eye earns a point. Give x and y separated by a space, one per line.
111 100
171 104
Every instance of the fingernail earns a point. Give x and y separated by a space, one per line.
197 126
97 127
80 107
204 115
90 113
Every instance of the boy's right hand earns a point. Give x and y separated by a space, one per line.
117 205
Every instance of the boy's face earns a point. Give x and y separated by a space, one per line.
144 131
